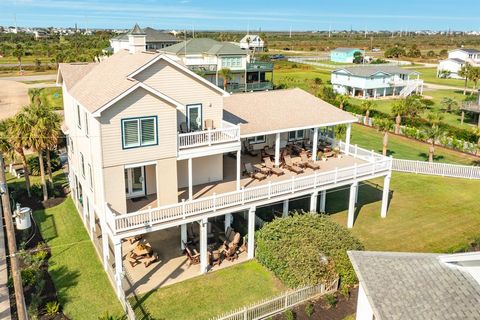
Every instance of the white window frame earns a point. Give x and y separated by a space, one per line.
297 136
90 176
79 118
257 139
85 115
82 163
139 143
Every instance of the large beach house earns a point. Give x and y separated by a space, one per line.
160 156
150 38
450 67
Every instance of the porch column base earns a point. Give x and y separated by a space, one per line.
251 233
313 201
183 235
323 200
105 248
117 245
351 204
190 179
203 245
285 208
385 195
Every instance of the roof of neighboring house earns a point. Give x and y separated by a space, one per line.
456 60
251 37
347 50
205 46
151 35
103 82
367 71
274 111
416 286
469 51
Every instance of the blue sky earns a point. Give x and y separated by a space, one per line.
241 14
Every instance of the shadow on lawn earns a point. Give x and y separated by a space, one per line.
49 228
424 156
64 281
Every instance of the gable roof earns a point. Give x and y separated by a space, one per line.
292 109
367 71
469 51
204 46
251 37
346 50
456 60
151 35
416 286
113 77
71 73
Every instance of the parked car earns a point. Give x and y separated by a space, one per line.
277 57
376 50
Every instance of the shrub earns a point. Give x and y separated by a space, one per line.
289 315
34 164
309 310
306 249
52 308
331 300
29 276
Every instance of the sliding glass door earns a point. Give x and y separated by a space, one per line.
135 182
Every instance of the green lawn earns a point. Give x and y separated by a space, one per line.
429 75
404 148
210 295
83 289
301 78
53 97
426 214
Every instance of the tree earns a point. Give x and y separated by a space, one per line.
399 109
385 125
464 72
474 76
18 130
444 74
433 134
476 132
357 57
18 53
449 104
341 99
435 118
366 106
226 75
6 147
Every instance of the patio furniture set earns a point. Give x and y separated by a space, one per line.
142 252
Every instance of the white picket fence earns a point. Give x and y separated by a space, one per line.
436 169
279 303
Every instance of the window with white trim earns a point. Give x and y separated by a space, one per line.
257 139
82 163
86 123
231 62
139 132
79 119
296 135
90 176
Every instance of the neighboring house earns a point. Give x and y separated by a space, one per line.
207 57
376 81
252 42
396 285
457 58
155 150
344 55
41 34
154 39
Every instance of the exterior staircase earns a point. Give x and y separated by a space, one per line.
410 87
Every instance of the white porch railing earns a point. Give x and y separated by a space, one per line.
279 303
228 133
437 169
237 199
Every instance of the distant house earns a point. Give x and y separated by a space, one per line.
344 55
41 34
404 285
154 39
449 68
374 81
252 42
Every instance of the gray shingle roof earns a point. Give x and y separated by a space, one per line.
457 60
205 45
416 286
367 71
136 30
470 51
151 35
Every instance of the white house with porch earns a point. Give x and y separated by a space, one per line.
157 152
376 81
450 67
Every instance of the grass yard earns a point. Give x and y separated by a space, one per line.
429 75
301 78
426 214
53 97
83 289
404 148
212 294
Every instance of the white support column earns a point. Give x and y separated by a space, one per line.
315 144
353 92
285 208
105 246
347 138
364 309
277 149
385 195
239 170
203 245
384 92
251 233
323 200
351 204
228 221
190 179
313 201
183 235
117 248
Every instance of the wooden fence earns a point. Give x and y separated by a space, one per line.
436 169
279 303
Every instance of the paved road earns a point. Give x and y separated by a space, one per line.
31 78
432 86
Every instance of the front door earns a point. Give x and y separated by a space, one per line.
135 182
194 117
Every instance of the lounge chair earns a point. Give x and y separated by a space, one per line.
292 167
250 170
230 250
193 257
183 127
229 234
307 163
271 167
209 124
153 258
215 257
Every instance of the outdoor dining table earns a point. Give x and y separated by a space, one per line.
142 250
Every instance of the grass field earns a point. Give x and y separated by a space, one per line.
84 292
53 97
429 75
212 294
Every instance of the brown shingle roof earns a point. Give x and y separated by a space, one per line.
280 110
73 72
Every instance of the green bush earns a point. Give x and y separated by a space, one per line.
34 164
307 249
29 276
52 308
309 310
331 300
289 315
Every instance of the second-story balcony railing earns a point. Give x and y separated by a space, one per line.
260 66
254 86
228 133
205 68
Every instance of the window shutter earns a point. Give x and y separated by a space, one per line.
148 131
130 133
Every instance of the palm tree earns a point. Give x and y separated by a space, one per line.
464 72
476 132
385 125
5 146
341 99
19 52
399 109
474 76
435 118
34 94
226 75
366 106
433 134
18 129
449 104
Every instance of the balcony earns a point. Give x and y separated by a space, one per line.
259 66
203 68
254 86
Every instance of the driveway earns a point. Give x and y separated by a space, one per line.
13 96
31 78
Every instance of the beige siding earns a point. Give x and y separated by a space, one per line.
167 181
138 104
185 89
204 170
150 179
114 179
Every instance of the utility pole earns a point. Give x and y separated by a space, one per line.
12 245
